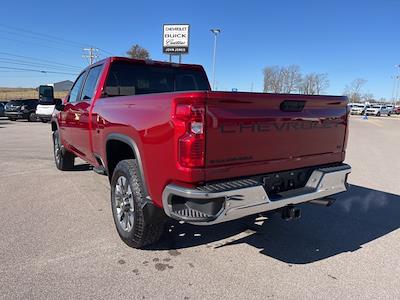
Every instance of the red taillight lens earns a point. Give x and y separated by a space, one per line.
191 145
191 150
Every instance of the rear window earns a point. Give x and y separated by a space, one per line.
126 79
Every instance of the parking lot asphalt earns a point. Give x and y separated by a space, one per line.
57 236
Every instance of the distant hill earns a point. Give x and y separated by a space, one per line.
7 93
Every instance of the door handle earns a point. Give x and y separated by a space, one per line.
100 123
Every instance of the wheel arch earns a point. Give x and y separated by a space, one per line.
128 149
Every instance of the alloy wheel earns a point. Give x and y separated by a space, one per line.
123 201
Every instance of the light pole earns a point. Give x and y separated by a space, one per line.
215 31
396 93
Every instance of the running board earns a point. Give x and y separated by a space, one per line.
100 170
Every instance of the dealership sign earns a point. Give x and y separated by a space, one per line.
176 39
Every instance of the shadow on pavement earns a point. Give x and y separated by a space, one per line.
359 216
4 121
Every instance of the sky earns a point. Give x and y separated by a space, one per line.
345 39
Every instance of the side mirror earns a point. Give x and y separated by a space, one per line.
58 104
46 94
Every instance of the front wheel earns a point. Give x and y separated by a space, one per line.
127 204
64 159
378 114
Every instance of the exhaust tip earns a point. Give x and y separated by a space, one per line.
324 202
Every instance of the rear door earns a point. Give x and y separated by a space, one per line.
269 132
82 135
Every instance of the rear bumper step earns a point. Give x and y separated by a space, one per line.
206 207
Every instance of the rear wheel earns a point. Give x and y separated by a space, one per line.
127 204
389 114
12 119
32 117
64 159
378 114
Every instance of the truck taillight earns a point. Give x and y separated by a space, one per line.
191 144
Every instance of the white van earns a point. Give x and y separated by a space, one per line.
45 108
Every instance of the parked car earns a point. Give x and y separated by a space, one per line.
358 109
390 107
396 110
21 109
2 109
378 110
172 147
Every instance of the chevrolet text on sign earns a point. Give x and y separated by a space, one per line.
176 39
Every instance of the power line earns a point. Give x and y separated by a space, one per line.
24 42
38 59
35 65
107 52
40 71
32 64
39 38
48 37
78 44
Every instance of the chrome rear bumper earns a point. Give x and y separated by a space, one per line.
241 202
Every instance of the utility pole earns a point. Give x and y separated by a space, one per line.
215 31
92 54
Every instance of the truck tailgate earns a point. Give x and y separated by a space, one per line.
250 133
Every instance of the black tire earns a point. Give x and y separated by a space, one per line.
388 114
378 114
143 231
12 119
32 117
64 159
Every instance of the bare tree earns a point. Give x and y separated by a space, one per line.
368 97
353 90
321 83
291 78
306 85
273 79
281 79
314 84
138 52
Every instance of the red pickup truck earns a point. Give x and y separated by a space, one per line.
172 147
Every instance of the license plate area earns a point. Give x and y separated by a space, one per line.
276 183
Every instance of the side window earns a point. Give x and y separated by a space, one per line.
73 95
90 84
